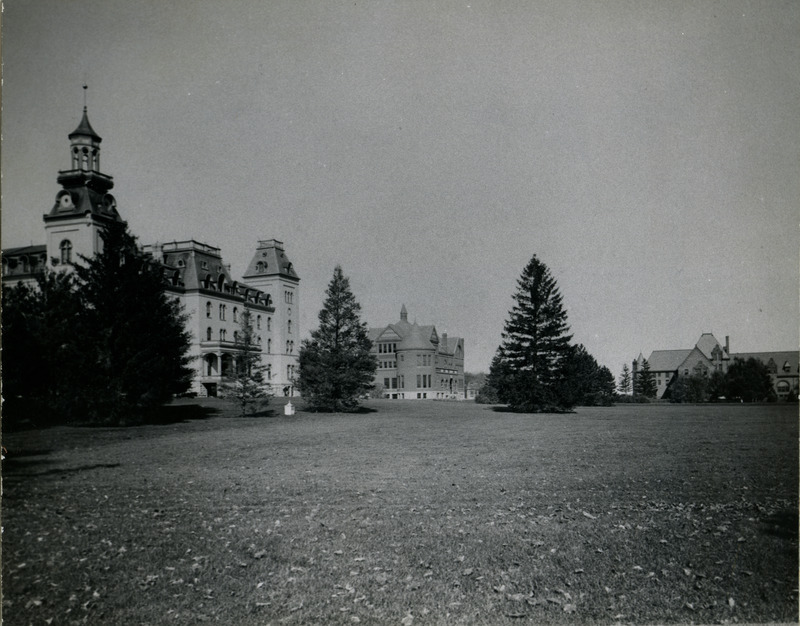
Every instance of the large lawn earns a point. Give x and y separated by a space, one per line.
415 513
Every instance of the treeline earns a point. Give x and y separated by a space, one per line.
103 344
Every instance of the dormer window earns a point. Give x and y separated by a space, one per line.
787 367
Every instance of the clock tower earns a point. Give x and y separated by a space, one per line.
84 206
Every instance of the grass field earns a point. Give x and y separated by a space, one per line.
412 513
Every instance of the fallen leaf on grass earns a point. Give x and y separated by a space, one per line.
515 615
589 515
570 608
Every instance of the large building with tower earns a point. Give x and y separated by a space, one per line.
416 363
194 273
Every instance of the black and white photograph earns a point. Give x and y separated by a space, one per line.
400 312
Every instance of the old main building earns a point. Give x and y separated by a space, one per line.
195 274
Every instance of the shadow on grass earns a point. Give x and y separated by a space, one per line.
782 524
178 413
21 469
501 408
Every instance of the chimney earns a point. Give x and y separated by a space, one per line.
727 345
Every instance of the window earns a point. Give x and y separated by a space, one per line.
787 367
236 335
269 345
208 333
222 311
402 381
258 322
66 251
269 323
287 347
419 381
269 372
208 309
235 314
386 383
394 383
222 333
289 326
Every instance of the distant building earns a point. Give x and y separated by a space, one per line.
708 355
416 363
194 273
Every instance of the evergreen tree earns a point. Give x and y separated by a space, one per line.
336 366
587 383
624 385
528 371
246 381
135 339
644 383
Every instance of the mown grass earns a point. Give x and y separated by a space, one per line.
415 513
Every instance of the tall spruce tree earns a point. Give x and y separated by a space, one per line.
624 384
529 369
246 383
336 365
136 345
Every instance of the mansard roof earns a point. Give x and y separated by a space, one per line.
270 260
191 265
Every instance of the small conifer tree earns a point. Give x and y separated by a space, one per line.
246 380
624 385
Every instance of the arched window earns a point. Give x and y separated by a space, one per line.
222 333
222 311
208 309
235 314
269 345
258 321
269 323
66 251
236 335
783 387
208 333
289 326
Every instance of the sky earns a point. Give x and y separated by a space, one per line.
646 152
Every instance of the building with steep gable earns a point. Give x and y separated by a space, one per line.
708 356
416 363
194 273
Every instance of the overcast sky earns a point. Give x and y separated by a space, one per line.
647 152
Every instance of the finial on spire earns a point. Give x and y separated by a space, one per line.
85 88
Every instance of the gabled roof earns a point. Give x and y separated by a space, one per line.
667 360
706 345
419 338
